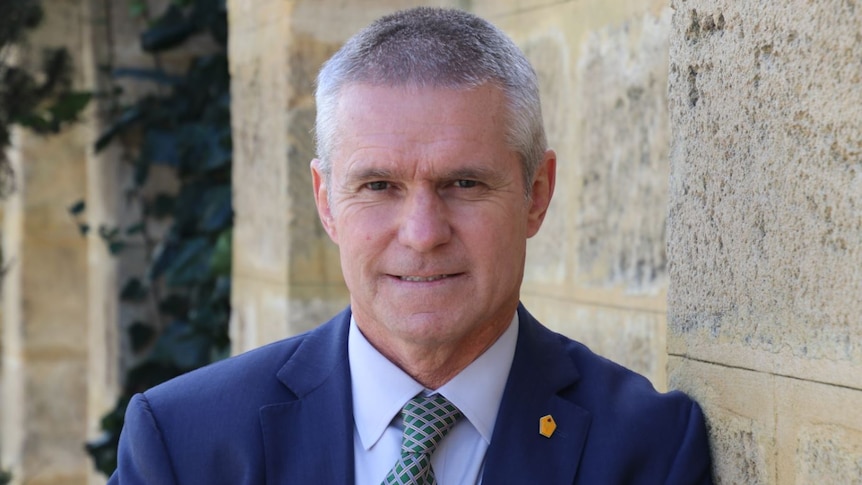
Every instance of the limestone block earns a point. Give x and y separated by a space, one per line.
622 185
314 258
740 407
308 312
263 312
549 250
54 433
260 172
259 313
334 21
820 433
54 316
634 339
247 16
765 219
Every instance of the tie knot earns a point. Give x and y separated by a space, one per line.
427 419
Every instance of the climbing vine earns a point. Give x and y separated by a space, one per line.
184 126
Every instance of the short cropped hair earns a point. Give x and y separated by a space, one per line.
438 48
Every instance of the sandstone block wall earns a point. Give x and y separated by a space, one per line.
44 309
765 234
597 269
62 351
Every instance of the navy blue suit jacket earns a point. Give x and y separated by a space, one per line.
282 415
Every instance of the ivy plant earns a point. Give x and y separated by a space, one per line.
185 127
38 95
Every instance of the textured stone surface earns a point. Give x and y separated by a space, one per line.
582 273
287 274
740 411
766 185
764 232
549 250
633 338
45 322
622 185
820 433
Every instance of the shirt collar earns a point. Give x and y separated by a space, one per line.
380 388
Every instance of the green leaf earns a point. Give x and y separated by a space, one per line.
141 335
134 291
175 305
162 206
217 208
78 207
135 229
169 30
179 345
137 8
220 263
191 263
129 117
69 106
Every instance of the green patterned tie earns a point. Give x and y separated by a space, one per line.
427 419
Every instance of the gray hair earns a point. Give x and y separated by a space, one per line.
431 47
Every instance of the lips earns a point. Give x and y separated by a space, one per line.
423 279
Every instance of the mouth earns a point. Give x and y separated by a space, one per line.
424 279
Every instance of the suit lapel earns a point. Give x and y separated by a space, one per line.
541 370
310 439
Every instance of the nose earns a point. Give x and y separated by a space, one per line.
424 221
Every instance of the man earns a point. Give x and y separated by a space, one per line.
433 172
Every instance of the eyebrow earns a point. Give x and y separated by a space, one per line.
370 174
456 174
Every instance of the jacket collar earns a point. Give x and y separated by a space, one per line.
541 371
321 416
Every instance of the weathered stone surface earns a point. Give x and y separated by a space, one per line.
633 338
45 315
820 433
740 411
260 173
622 185
548 254
766 185
765 226
263 312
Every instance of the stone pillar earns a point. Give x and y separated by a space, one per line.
765 234
45 314
285 277
597 269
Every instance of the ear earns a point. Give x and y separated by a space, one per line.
542 191
321 199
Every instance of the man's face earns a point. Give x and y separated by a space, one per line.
427 205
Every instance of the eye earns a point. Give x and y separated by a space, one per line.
378 185
466 184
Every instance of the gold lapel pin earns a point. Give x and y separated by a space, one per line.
547 426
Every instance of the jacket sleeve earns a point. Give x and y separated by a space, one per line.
693 464
142 457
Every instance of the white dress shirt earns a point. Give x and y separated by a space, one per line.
380 389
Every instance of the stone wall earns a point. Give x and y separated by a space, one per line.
597 270
765 234
45 314
63 349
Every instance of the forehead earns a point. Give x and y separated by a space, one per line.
408 122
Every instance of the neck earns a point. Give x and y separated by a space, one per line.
435 365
